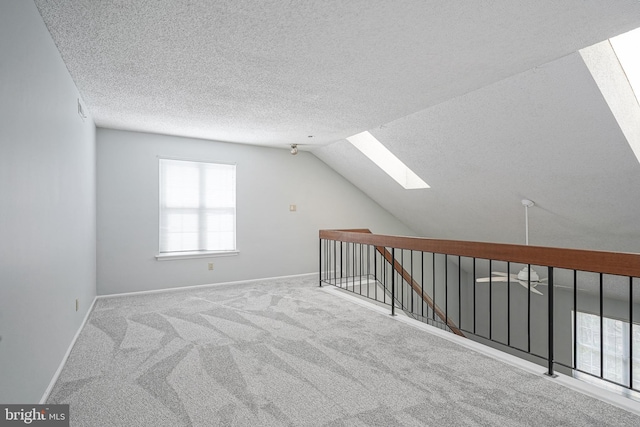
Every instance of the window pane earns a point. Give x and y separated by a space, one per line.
221 231
220 186
180 185
588 344
197 206
179 232
615 346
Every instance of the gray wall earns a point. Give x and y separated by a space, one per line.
272 240
47 206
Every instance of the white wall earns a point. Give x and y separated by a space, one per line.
272 241
47 206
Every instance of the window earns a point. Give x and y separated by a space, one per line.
197 208
616 348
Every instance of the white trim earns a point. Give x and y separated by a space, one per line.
54 379
171 256
588 389
184 288
193 159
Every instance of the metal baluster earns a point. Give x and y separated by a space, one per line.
360 270
353 269
446 291
529 309
393 282
375 272
320 265
459 293
335 263
575 319
411 284
630 332
474 295
490 298
368 268
341 270
402 305
385 275
550 309
601 328
509 304
422 283
433 284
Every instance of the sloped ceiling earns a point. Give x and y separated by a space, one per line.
487 101
545 134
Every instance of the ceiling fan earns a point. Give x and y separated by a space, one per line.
527 276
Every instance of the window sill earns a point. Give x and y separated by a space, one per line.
192 255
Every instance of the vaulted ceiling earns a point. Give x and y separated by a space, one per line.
489 102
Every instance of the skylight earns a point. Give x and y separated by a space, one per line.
627 48
387 161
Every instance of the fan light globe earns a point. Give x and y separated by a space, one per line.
524 275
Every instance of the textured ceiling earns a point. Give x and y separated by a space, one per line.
274 72
489 102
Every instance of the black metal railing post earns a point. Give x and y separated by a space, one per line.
393 282
490 298
509 304
631 332
320 264
550 355
601 326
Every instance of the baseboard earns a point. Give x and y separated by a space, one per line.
56 375
184 288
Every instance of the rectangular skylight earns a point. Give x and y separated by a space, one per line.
627 48
387 161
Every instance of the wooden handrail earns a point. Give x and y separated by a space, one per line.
617 263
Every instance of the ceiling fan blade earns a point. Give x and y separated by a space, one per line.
499 273
533 290
492 279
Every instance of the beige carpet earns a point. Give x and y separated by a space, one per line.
285 353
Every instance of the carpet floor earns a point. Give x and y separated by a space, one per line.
286 353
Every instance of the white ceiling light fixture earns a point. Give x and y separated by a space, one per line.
387 161
294 149
527 276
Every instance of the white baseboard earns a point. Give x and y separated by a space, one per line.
45 396
184 288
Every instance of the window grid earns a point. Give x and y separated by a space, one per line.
197 206
616 348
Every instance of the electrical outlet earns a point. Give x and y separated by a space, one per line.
210 266
77 304
293 208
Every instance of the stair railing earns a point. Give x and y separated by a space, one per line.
461 287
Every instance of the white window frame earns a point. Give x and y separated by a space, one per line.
175 255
